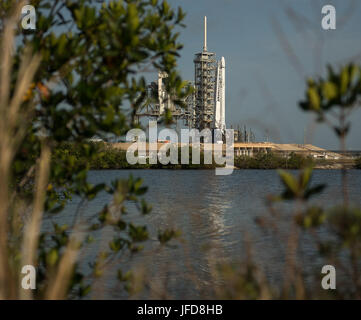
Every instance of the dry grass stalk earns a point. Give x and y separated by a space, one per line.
14 122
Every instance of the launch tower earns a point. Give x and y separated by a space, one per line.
209 80
204 79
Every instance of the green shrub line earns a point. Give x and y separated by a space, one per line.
108 157
272 161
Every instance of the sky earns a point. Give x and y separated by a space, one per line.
271 47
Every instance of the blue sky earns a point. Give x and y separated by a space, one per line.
263 84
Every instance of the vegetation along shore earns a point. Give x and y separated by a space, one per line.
108 157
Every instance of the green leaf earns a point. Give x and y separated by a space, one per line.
345 79
52 257
138 234
289 181
167 235
329 90
314 98
305 177
355 72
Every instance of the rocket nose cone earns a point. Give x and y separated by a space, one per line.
223 62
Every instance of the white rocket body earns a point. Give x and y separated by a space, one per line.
220 96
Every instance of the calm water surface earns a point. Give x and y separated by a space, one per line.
216 216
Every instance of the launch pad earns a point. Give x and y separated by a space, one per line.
205 107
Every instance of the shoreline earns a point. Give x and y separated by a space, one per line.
327 167
110 158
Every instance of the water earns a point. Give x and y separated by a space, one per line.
216 216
